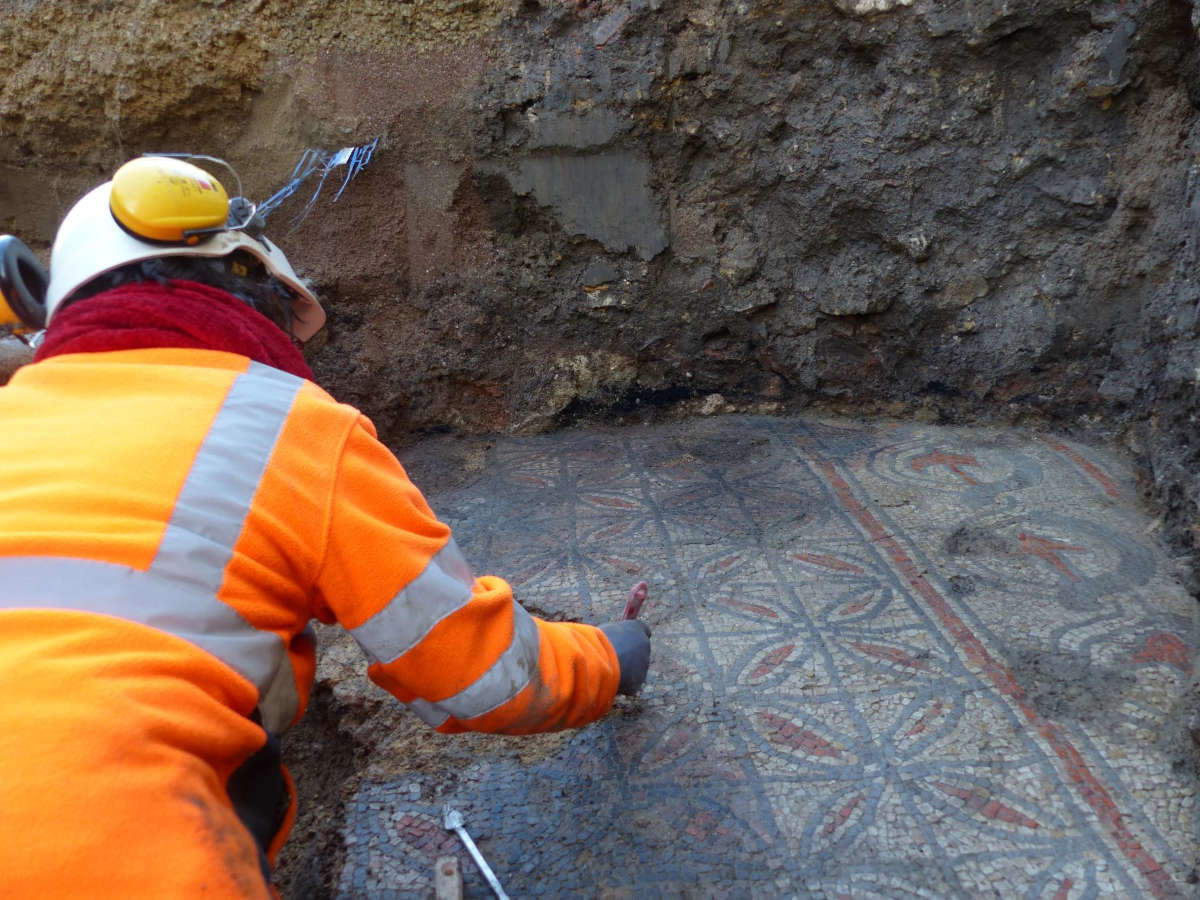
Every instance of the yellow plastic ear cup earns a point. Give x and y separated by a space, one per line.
159 199
7 316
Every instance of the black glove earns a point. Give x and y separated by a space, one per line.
631 640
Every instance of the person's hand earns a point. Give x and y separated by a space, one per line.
631 640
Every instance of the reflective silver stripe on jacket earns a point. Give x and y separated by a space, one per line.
212 505
512 672
178 593
145 598
442 587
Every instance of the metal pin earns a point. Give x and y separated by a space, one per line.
453 821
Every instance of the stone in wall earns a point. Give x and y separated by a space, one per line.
866 7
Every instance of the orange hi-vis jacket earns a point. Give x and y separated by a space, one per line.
170 522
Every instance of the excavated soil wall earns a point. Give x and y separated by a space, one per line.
968 210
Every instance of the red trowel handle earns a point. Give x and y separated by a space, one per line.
637 596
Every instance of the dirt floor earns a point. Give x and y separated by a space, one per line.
890 660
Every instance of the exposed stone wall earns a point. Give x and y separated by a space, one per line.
972 209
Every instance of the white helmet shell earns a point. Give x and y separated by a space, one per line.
90 242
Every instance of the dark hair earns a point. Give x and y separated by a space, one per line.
240 273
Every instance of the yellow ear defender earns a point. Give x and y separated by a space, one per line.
160 206
23 281
168 200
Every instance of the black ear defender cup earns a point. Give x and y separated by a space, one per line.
23 283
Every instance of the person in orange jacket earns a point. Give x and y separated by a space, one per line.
178 500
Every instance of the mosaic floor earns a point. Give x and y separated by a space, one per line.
889 661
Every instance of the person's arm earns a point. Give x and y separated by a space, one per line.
460 651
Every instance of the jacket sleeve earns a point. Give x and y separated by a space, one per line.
459 650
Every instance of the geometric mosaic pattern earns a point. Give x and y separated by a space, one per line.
889 661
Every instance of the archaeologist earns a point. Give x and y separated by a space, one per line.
178 500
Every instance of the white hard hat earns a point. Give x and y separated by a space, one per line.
91 241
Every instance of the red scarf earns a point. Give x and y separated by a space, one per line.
179 314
